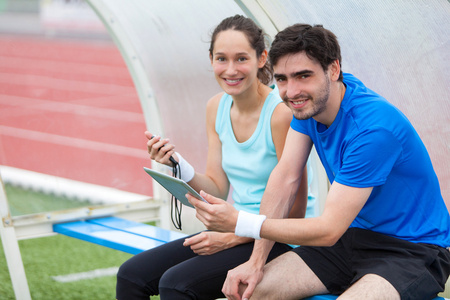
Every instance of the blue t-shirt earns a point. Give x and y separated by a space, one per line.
372 144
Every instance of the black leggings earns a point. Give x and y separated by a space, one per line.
175 272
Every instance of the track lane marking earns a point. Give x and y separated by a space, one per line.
72 142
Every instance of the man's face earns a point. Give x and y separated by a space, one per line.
304 86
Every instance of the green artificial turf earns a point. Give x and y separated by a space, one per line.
56 255
61 255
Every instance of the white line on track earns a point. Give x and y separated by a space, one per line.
86 275
24 105
72 142
40 81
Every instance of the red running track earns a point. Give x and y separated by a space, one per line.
70 109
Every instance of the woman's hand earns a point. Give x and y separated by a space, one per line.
159 149
210 242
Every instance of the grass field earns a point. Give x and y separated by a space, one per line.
57 255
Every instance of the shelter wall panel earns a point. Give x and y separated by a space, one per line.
397 48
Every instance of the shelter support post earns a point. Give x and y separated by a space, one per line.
12 251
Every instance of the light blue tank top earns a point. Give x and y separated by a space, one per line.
248 165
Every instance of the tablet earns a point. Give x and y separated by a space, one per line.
175 186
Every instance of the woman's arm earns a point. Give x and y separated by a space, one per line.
214 181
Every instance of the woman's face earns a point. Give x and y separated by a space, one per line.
235 63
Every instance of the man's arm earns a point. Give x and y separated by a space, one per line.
282 186
342 205
276 203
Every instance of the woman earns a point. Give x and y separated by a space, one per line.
246 127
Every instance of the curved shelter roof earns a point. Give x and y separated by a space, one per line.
398 48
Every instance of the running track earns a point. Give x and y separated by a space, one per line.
70 109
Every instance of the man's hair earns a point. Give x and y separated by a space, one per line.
319 44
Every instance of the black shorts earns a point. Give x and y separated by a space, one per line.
417 271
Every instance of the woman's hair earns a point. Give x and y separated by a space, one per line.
318 43
255 36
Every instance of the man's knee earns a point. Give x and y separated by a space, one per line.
371 286
288 277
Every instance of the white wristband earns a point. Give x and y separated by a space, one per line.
249 225
187 171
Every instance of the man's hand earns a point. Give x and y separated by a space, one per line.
242 280
209 242
217 214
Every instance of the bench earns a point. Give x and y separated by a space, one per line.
116 233
129 236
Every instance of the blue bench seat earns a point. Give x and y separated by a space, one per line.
116 233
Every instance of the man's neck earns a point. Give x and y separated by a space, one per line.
337 93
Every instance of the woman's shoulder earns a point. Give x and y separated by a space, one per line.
213 102
212 107
280 120
282 113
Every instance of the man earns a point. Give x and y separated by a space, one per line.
385 229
